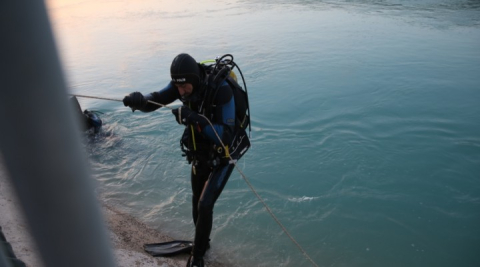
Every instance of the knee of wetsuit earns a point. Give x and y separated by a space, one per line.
205 207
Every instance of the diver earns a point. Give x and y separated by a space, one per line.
208 110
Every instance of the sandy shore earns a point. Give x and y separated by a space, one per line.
126 233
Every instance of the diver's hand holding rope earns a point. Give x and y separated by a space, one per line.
184 115
135 101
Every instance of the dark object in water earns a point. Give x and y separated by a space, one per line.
88 119
93 121
171 248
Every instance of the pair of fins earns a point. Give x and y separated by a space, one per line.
171 248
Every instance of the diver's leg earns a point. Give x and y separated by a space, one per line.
199 176
210 194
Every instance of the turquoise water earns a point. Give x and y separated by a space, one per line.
365 138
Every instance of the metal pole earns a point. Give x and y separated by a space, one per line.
41 144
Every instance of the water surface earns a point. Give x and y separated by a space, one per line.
366 135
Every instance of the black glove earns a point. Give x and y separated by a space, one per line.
135 101
184 115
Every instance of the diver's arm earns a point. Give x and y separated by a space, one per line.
224 124
223 118
136 101
165 96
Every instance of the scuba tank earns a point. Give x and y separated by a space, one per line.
222 69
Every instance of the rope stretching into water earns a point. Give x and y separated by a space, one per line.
284 229
97 97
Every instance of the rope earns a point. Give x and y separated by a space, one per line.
284 229
97 97
118 100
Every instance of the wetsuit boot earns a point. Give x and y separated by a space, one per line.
194 262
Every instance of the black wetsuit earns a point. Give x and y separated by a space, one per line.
209 174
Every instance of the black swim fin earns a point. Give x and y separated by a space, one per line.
166 249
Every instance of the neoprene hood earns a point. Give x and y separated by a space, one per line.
185 69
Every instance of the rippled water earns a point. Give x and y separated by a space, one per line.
366 135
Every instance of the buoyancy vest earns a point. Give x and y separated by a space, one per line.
218 72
